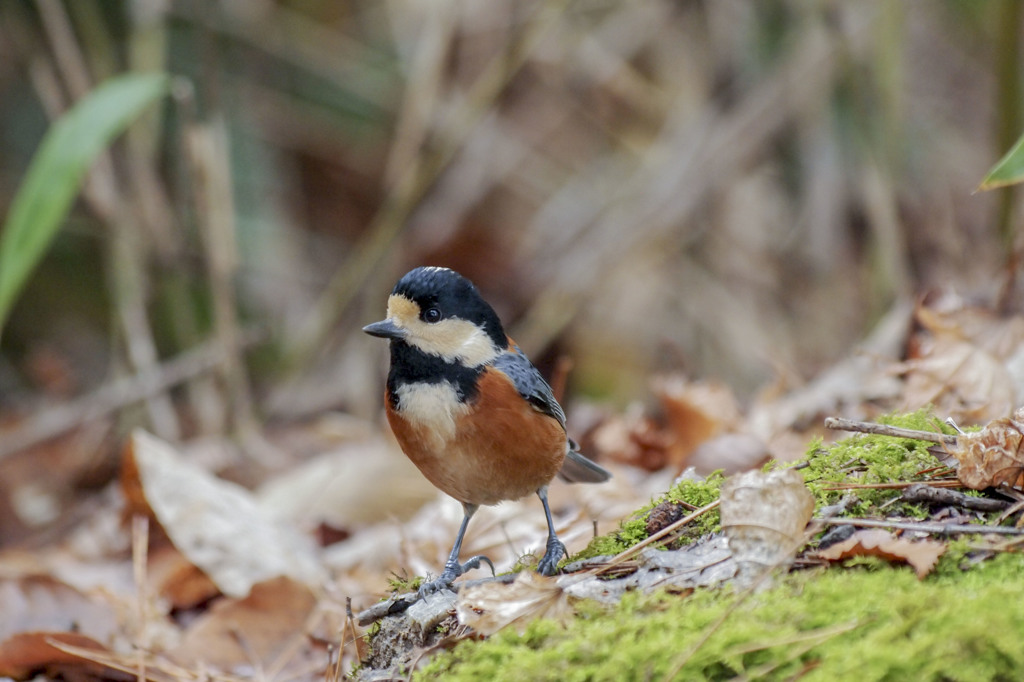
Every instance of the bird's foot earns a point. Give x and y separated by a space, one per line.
452 570
549 562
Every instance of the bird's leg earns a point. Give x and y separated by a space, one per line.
452 568
555 549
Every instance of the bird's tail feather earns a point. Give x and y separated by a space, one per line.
578 469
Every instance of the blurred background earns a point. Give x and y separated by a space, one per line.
725 189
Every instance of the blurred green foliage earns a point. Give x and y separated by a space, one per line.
1009 170
57 169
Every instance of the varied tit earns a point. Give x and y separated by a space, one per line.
469 409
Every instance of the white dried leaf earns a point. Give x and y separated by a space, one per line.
764 515
217 524
489 607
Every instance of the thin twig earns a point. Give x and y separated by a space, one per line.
838 424
930 494
896 485
923 527
140 555
635 549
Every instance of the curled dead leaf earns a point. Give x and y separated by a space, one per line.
920 554
763 516
251 633
992 456
36 611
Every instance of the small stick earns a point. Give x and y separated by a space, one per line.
885 430
936 483
928 494
938 528
635 549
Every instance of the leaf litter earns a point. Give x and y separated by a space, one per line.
236 582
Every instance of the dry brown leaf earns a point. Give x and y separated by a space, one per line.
216 524
959 378
992 456
177 579
966 361
635 440
695 412
29 653
920 554
489 607
1000 336
266 628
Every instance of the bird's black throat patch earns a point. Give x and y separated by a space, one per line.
411 365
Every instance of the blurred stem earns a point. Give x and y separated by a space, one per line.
128 252
164 216
411 186
208 151
889 41
1009 14
128 283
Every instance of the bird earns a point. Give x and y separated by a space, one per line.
470 410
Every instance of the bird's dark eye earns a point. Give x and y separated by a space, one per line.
431 315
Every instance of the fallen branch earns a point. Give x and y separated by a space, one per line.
922 527
839 424
927 494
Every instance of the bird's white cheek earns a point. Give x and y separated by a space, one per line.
432 408
454 340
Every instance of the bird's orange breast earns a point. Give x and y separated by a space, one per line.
495 448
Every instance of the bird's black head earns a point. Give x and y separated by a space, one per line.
441 313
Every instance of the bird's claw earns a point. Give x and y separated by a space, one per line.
452 570
548 564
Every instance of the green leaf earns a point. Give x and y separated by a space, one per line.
58 169
1009 170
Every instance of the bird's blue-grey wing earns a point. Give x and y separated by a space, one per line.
531 385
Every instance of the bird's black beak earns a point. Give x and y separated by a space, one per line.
385 329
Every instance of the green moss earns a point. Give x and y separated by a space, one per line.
872 459
866 619
699 494
877 623
634 529
401 584
630 532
